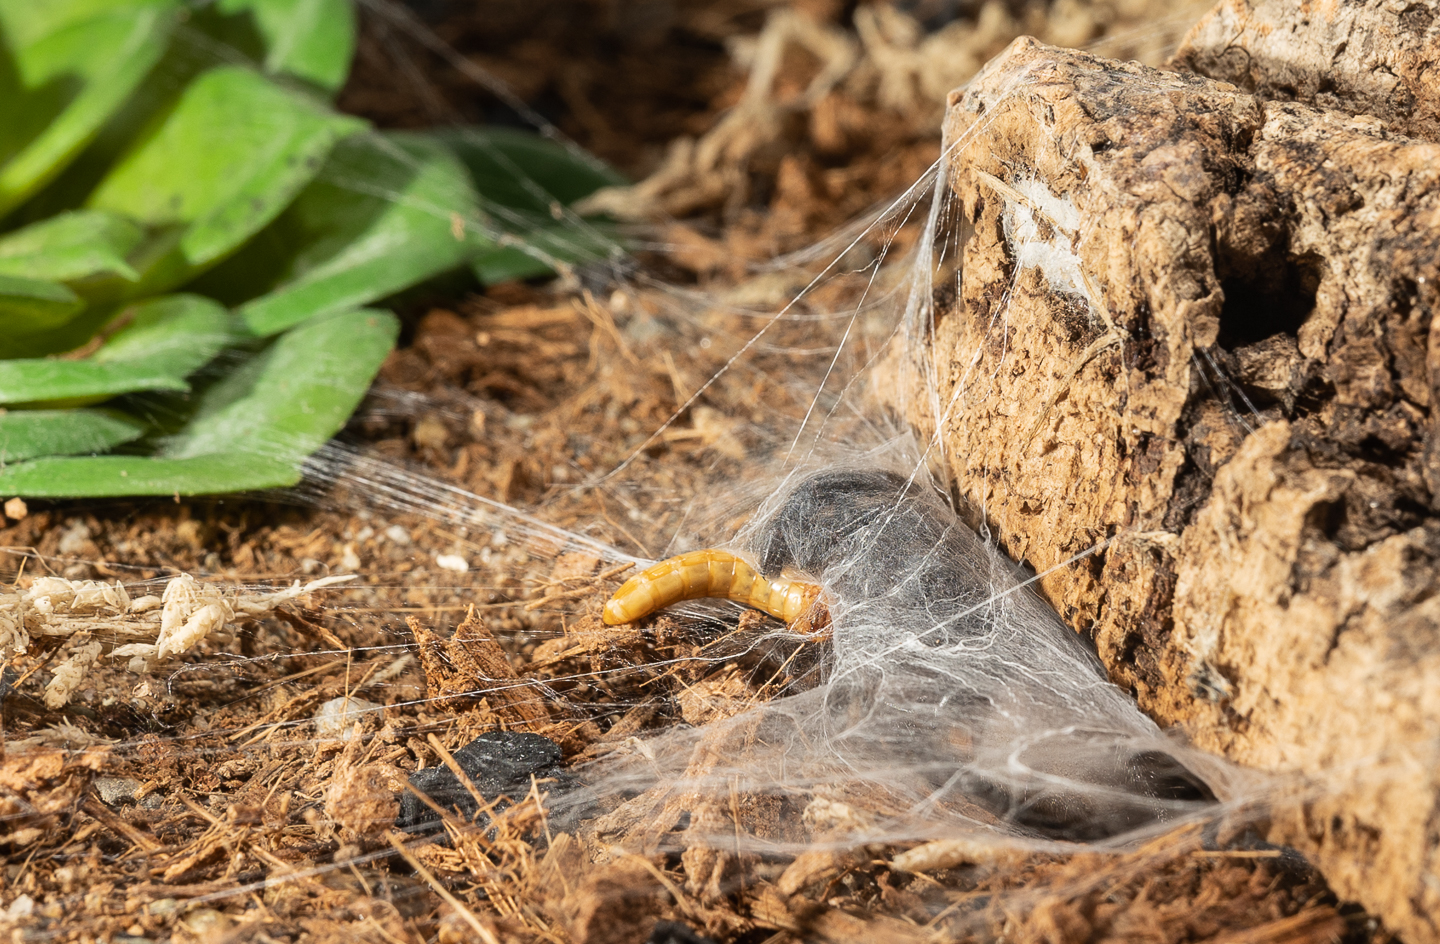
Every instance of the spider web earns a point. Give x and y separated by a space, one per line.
768 415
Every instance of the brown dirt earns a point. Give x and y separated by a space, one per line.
245 827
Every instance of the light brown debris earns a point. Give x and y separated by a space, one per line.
815 922
362 797
614 904
149 630
470 666
40 790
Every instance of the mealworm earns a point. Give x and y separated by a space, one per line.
721 575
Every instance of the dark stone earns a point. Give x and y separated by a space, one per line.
499 763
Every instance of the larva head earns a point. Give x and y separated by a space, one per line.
615 612
812 619
639 596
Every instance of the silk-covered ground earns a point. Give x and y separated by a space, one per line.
232 822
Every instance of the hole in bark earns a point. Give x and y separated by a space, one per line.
1327 518
942 300
1267 303
1192 487
1129 648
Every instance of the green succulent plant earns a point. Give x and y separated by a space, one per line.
192 239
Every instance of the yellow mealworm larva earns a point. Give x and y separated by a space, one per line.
718 574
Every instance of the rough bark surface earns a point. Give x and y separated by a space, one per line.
1199 322
1380 59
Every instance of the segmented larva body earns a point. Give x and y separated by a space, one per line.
717 574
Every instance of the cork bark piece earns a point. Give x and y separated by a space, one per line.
1370 58
1198 323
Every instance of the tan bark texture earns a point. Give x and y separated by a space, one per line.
1366 58
1197 323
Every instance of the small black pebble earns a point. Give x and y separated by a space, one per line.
499 763
673 932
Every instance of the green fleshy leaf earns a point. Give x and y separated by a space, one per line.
26 24
166 340
177 334
28 434
71 246
546 244
252 430
70 334
69 67
382 216
102 476
228 158
75 383
296 393
525 183
507 264
185 58
86 249
312 40
524 171
30 305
